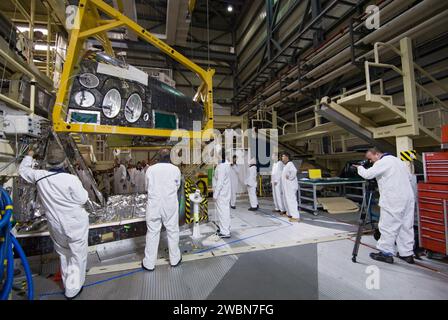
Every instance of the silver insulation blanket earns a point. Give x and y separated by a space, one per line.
119 207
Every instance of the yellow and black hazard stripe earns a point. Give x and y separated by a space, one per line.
203 210
188 217
408 155
190 187
91 55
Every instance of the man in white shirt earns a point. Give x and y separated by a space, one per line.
234 181
63 197
163 181
276 181
397 201
251 183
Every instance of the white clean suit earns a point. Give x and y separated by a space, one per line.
120 179
222 194
140 181
163 181
63 196
132 182
290 185
397 203
251 183
234 182
276 180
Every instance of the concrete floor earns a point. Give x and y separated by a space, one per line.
267 258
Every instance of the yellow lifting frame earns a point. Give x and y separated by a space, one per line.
90 24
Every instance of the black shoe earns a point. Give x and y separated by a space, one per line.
253 209
75 296
276 211
233 207
408 259
177 264
223 236
143 266
381 257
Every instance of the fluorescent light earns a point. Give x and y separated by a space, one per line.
42 47
229 8
24 29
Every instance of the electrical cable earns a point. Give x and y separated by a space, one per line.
9 244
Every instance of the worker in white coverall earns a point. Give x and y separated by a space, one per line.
397 203
222 190
140 179
132 179
234 181
290 185
120 177
251 183
145 165
63 196
163 181
276 181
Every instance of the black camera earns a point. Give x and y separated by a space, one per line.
366 163
349 171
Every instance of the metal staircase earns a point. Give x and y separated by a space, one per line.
375 117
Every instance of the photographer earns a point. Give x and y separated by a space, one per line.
397 205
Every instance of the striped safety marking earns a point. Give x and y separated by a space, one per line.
221 250
190 187
408 155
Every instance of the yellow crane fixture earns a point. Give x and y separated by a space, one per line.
90 22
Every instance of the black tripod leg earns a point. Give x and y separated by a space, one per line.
362 221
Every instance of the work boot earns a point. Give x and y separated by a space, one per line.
408 259
382 257
75 296
143 266
177 264
223 236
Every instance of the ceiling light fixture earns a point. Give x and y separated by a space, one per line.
229 8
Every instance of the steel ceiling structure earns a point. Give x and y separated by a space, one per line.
306 34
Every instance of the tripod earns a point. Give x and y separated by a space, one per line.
364 211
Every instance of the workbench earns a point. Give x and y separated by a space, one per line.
307 193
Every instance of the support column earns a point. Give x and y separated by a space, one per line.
316 9
31 31
404 144
317 120
244 127
410 95
344 143
269 14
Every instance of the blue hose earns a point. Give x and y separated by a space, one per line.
9 244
